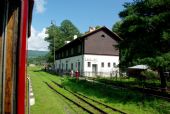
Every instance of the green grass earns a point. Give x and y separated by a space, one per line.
125 100
48 102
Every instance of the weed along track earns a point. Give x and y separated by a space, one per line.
103 108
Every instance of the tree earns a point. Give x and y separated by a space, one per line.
145 29
57 35
68 30
159 63
97 27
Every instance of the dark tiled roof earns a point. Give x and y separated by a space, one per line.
117 38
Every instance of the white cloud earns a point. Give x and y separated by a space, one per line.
40 5
36 41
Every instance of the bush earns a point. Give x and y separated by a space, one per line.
150 74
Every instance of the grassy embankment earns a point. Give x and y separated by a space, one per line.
48 102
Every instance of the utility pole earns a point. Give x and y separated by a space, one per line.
53 23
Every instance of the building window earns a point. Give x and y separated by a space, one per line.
69 52
59 55
102 64
114 64
66 53
89 64
79 49
108 64
72 51
62 54
103 35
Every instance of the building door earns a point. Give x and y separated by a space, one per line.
79 66
94 69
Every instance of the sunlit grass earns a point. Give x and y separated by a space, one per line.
48 102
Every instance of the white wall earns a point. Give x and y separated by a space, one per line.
98 59
70 60
93 59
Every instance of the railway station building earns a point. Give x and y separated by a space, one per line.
93 54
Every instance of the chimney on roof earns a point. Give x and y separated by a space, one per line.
75 36
66 42
91 29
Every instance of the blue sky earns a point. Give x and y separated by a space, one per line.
82 13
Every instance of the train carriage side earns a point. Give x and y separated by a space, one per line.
15 20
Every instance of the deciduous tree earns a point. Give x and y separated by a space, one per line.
57 35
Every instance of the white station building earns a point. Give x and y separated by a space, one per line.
94 54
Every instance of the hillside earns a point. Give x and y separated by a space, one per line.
35 53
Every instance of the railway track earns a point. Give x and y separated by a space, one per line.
147 91
86 99
83 103
76 103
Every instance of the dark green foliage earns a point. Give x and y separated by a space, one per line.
145 29
150 75
158 61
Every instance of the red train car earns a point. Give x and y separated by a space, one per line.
15 20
